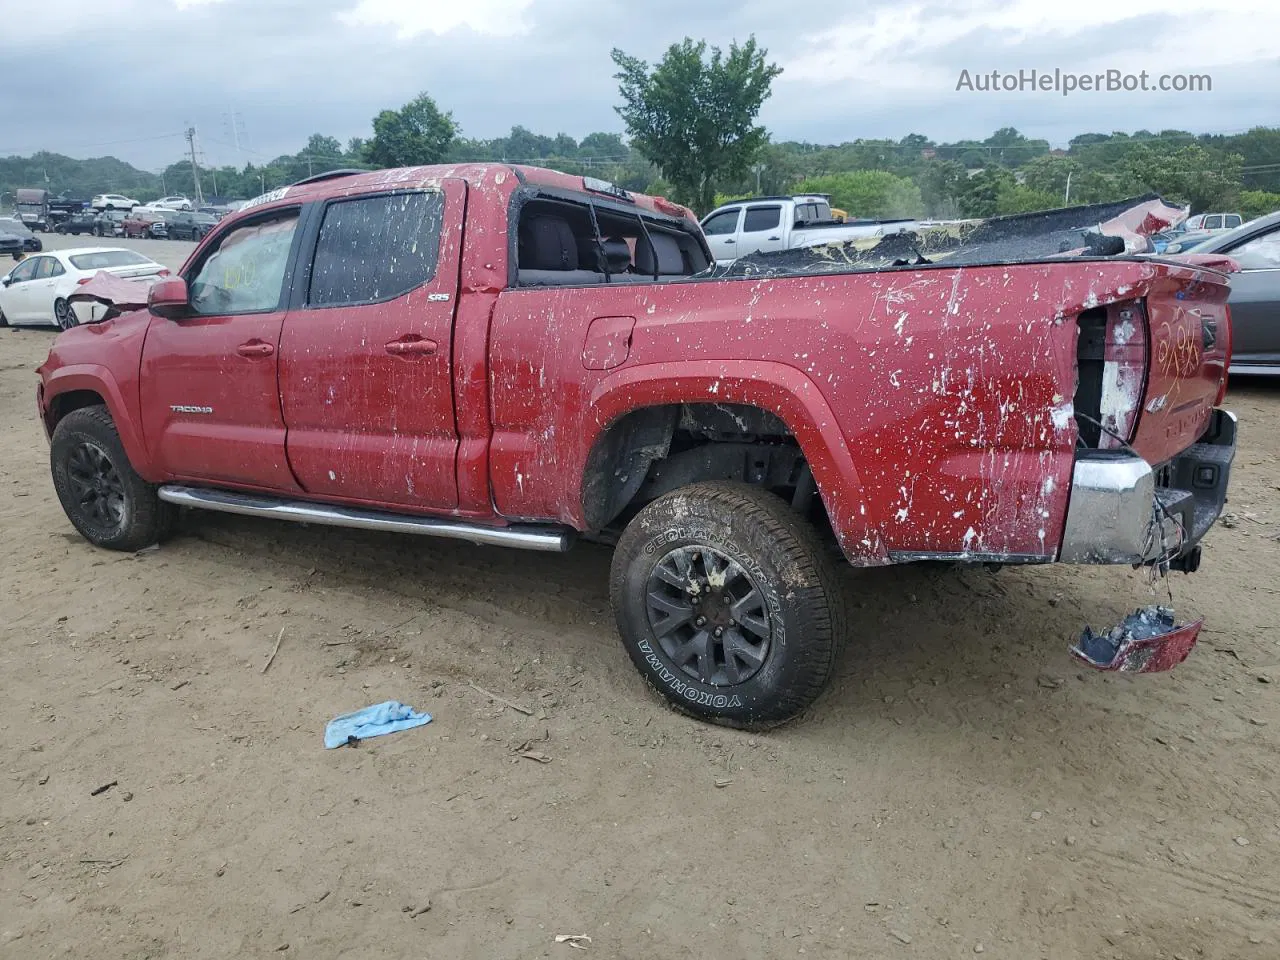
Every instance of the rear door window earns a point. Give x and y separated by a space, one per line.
376 248
759 219
48 267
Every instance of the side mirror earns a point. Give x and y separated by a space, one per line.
5 281
169 299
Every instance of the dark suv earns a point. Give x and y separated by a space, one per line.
190 226
82 221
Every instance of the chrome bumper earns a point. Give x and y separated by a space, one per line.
1124 511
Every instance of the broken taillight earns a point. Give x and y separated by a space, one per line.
1124 373
1217 346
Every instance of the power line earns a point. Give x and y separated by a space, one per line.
90 146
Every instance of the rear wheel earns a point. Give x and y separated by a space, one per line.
728 604
101 494
63 315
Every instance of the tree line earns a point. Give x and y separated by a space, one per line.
691 133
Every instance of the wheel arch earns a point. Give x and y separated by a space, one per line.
73 388
634 414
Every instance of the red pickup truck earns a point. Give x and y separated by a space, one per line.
518 357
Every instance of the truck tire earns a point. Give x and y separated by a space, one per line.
728 604
105 500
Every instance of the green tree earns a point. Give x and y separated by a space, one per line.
1050 174
941 184
1017 198
868 193
416 134
981 194
1194 174
694 116
1258 203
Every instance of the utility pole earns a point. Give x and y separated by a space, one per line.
757 169
195 167
1066 200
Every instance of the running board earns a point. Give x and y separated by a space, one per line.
542 537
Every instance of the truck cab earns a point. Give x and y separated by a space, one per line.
32 208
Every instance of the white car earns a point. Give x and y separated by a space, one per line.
36 290
171 203
112 201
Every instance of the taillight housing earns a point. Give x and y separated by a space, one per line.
1111 368
1124 373
1221 347
162 273
82 281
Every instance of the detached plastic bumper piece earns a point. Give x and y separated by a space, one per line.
1146 641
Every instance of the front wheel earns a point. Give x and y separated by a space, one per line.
728 604
101 494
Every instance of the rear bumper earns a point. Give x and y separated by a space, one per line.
1123 510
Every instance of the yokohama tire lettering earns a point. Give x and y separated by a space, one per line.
687 691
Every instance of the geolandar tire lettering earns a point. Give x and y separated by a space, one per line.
728 604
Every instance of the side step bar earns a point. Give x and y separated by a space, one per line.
544 537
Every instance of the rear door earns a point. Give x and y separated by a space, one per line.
762 230
366 373
210 396
721 230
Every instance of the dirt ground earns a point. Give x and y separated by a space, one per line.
962 788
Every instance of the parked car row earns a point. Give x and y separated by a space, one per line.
118 201
141 222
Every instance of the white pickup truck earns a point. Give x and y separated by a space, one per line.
768 224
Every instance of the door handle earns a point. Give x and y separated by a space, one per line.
775 238
412 346
255 348
730 241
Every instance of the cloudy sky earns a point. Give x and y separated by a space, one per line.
131 74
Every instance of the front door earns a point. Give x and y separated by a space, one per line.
209 385
762 230
722 233
365 365
17 299
1255 297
